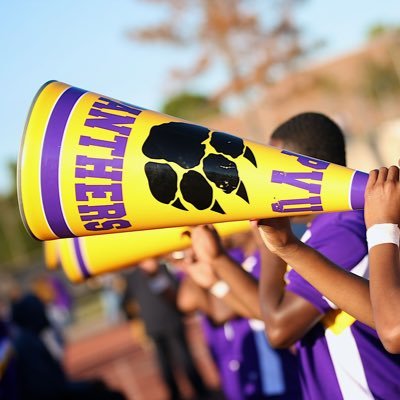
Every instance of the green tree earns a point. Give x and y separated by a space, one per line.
193 107
17 248
380 80
378 30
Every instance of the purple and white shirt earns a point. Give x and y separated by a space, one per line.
249 368
341 358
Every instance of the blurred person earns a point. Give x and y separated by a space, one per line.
154 288
112 289
39 374
249 368
8 375
58 303
340 356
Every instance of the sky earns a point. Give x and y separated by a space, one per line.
84 43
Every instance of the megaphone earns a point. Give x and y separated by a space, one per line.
93 165
51 254
88 256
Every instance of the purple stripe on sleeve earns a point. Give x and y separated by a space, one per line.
49 170
79 256
357 190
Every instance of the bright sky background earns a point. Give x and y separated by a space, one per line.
83 43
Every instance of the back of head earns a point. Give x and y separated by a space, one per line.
30 313
314 135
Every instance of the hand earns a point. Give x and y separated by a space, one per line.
202 274
206 243
277 234
382 197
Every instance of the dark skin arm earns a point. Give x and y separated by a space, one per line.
279 307
375 302
382 205
287 316
194 293
349 291
191 297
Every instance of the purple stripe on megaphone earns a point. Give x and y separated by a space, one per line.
49 178
357 190
79 256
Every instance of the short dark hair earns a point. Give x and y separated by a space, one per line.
315 135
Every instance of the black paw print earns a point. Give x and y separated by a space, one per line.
185 145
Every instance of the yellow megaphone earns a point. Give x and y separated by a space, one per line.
89 256
92 165
51 253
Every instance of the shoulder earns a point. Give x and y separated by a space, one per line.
341 237
337 227
339 221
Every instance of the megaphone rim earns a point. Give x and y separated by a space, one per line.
20 155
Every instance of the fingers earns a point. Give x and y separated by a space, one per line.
373 176
254 223
393 174
187 233
382 175
210 227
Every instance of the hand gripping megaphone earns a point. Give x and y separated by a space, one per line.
88 256
93 165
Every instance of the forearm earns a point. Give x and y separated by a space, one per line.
346 290
243 295
277 314
232 303
225 308
385 293
191 297
287 316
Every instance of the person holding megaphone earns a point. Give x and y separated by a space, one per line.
340 356
124 166
373 302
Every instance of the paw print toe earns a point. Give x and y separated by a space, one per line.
162 181
196 190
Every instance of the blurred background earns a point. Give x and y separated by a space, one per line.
240 66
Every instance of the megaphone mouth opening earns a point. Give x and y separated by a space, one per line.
20 160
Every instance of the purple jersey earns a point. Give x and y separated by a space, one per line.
341 358
8 372
249 368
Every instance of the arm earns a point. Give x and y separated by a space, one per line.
349 292
243 293
382 205
287 316
194 293
191 297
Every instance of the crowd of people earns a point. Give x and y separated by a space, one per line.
284 317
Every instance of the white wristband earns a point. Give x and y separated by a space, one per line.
383 233
219 289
